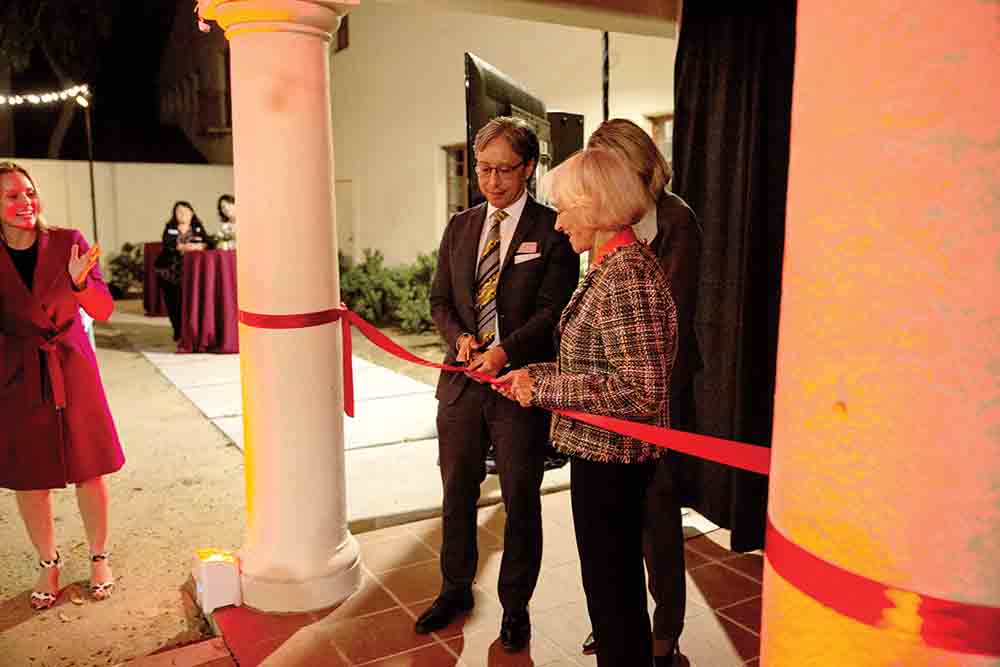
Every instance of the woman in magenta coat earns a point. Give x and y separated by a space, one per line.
57 426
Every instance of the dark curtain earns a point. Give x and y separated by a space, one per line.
733 93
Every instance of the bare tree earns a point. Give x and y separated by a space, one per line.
68 34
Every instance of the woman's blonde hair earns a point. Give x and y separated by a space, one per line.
12 167
600 182
636 146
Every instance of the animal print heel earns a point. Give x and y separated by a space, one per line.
101 590
41 600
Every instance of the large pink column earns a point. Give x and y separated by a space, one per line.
298 553
886 458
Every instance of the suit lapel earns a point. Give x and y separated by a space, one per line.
468 251
31 300
574 300
524 226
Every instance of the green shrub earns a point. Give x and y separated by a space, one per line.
364 286
127 269
389 296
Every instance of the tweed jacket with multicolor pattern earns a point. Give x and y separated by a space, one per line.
616 351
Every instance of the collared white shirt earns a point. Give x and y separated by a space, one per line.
507 229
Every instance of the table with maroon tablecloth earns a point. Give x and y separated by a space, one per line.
209 316
152 297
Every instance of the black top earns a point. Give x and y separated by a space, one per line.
25 261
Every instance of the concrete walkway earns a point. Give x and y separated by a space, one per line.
391 439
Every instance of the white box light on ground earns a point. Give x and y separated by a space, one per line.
217 579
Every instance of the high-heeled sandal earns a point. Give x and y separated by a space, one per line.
41 600
103 590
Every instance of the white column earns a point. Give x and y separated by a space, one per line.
886 439
298 553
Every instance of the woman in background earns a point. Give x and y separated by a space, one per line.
58 429
182 233
226 206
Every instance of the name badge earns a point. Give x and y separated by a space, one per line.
528 246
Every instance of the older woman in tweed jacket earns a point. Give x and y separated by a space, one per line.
616 350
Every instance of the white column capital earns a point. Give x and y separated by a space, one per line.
319 17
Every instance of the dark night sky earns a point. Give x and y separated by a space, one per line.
125 109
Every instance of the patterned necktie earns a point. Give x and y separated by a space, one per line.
487 276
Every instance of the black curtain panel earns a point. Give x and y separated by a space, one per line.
733 95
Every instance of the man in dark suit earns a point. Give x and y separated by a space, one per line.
504 275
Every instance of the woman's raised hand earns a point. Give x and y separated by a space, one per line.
80 266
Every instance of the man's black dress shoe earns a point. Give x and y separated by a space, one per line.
671 659
589 645
515 630
443 611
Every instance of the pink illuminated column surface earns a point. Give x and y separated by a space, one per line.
298 554
886 455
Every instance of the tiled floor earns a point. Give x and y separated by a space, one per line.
375 626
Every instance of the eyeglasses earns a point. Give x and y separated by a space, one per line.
502 171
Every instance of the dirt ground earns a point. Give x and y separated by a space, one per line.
181 489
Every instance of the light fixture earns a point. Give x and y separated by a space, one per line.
216 574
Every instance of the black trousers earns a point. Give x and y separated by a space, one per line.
172 300
663 534
663 550
609 506
465 429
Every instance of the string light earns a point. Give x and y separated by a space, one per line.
37 99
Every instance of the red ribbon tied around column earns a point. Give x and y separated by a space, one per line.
947 624
728 452
960 627
346 318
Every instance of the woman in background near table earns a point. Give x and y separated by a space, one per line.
182 233
57 429
226 207
617 342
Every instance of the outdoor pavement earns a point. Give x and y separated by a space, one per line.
402 448
374 628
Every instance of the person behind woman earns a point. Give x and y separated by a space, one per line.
58 429
182 233
226 206
674 235
616 349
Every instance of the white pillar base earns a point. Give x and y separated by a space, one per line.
342 579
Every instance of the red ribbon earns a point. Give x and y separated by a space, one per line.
728 452
953 626
960 627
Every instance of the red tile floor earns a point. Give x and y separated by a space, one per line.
375 626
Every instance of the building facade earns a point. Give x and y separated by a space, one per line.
399 103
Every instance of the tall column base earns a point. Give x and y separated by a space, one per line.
341 580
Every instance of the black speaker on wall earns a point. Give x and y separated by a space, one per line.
567 134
